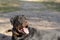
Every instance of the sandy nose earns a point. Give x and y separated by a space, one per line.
26 30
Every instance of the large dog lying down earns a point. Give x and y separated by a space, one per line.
21 31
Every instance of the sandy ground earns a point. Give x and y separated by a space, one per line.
47 21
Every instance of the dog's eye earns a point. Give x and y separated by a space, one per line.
26 26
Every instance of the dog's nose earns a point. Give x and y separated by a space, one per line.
26 30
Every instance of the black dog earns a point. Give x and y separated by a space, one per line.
21 30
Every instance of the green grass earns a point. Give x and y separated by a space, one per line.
52 5
9 5
8 9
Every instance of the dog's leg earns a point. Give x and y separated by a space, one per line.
9 30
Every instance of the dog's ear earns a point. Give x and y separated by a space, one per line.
13 19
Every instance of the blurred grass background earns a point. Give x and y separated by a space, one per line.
9 5
14 5
52 5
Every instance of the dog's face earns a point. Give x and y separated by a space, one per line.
20 23
23 28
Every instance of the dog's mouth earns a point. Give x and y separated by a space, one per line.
24 30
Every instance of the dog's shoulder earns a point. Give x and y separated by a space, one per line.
34 34
33 31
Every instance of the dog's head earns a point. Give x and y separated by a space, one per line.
20 23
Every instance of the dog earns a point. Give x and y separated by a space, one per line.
21 29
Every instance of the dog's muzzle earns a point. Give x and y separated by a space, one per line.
24 30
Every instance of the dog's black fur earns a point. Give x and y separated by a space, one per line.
16 35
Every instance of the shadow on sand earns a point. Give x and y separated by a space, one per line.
4 37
